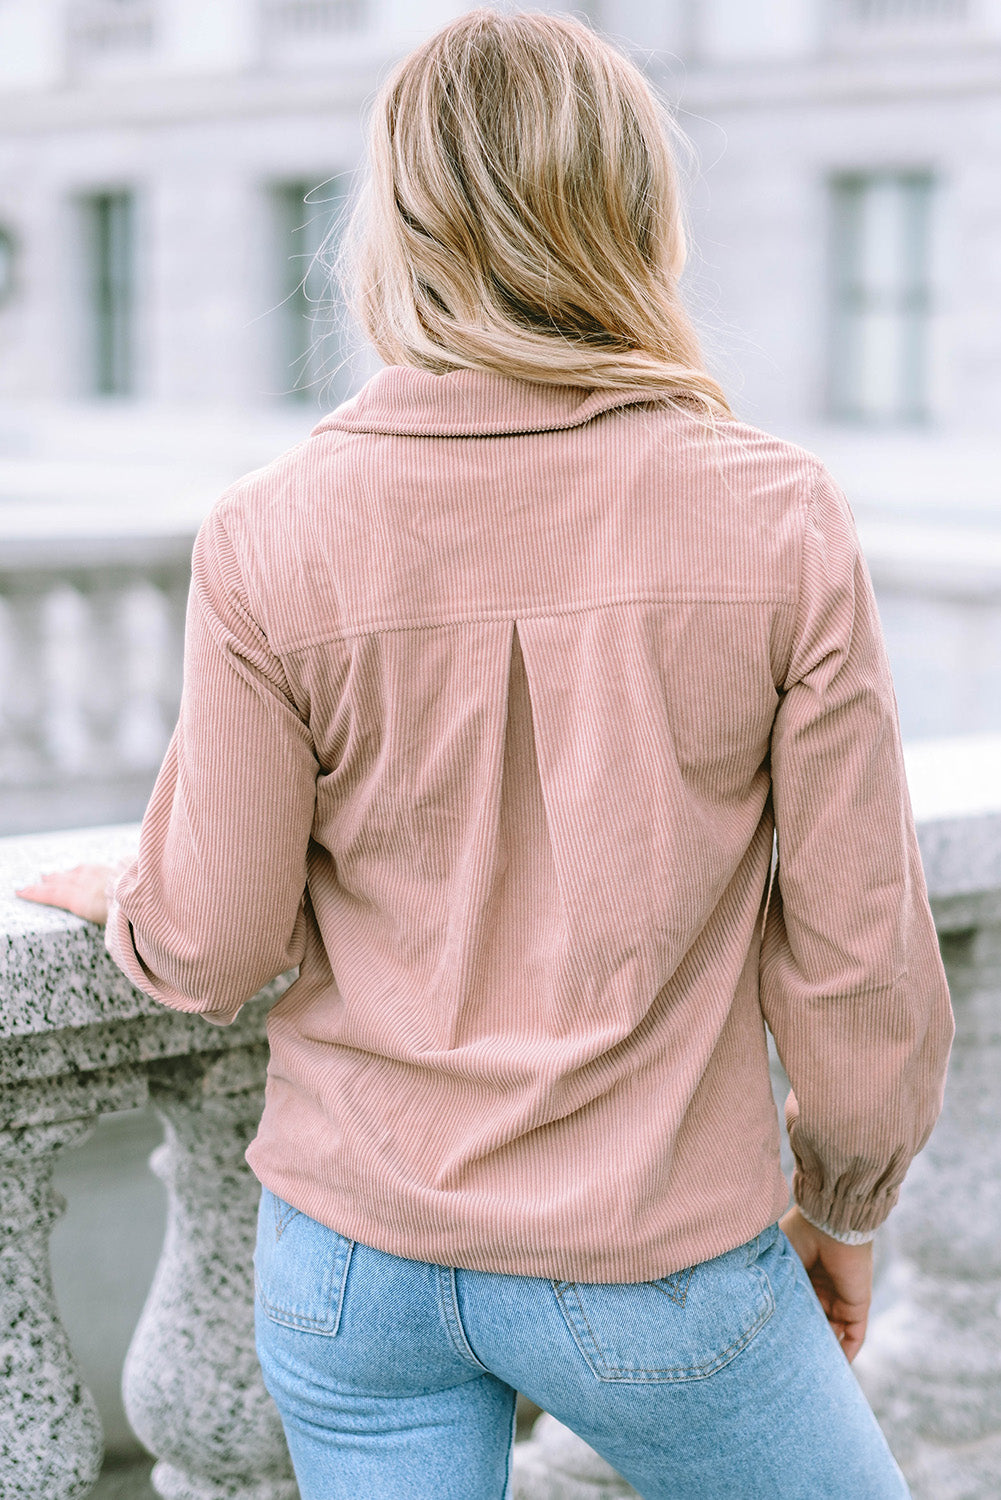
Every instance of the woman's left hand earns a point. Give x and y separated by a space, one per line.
82 890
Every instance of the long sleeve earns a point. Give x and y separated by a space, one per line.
852 983
212 909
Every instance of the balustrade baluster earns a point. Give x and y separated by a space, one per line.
173 588
25 753
192 1384
51 1443
84 720
106 688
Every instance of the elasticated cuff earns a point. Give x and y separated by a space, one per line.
844 1236
853 1221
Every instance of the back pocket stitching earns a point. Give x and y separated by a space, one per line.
669 1285
327 1327
603 1371
559 1287
282 1219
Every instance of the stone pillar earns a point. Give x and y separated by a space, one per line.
192 1384
931 1364
51 1442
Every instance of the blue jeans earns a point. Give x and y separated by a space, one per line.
396 1379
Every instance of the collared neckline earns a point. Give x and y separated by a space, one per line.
470 403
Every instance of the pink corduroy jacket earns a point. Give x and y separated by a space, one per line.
494 694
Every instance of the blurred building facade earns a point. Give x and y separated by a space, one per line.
155 155
169 168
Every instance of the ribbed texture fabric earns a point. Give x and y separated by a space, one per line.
493 695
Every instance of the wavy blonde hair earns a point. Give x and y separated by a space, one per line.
521 213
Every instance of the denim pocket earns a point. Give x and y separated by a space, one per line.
680 1327
300 1267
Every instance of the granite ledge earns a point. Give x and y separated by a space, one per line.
56 974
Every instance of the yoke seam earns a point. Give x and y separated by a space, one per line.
500 616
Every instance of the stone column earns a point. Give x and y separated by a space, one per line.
931 1364
192 1384
51 1442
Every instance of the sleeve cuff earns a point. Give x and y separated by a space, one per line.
844 1236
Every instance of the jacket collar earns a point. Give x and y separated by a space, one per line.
469 403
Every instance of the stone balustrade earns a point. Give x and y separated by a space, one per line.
77 1040
91 637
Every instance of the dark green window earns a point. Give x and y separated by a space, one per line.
8 257
109 236
881 303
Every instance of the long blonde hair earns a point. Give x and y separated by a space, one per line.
521 213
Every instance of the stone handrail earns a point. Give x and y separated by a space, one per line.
77 1040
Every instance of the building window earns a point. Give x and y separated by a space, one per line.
880 252
312 19
311 344
900 12
100 27
110 285
8 256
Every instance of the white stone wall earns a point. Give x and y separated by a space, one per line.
773 96
200 128
761 271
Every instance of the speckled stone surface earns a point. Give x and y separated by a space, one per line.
77 1040
192 1385
931 1365
50 1433
55 973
